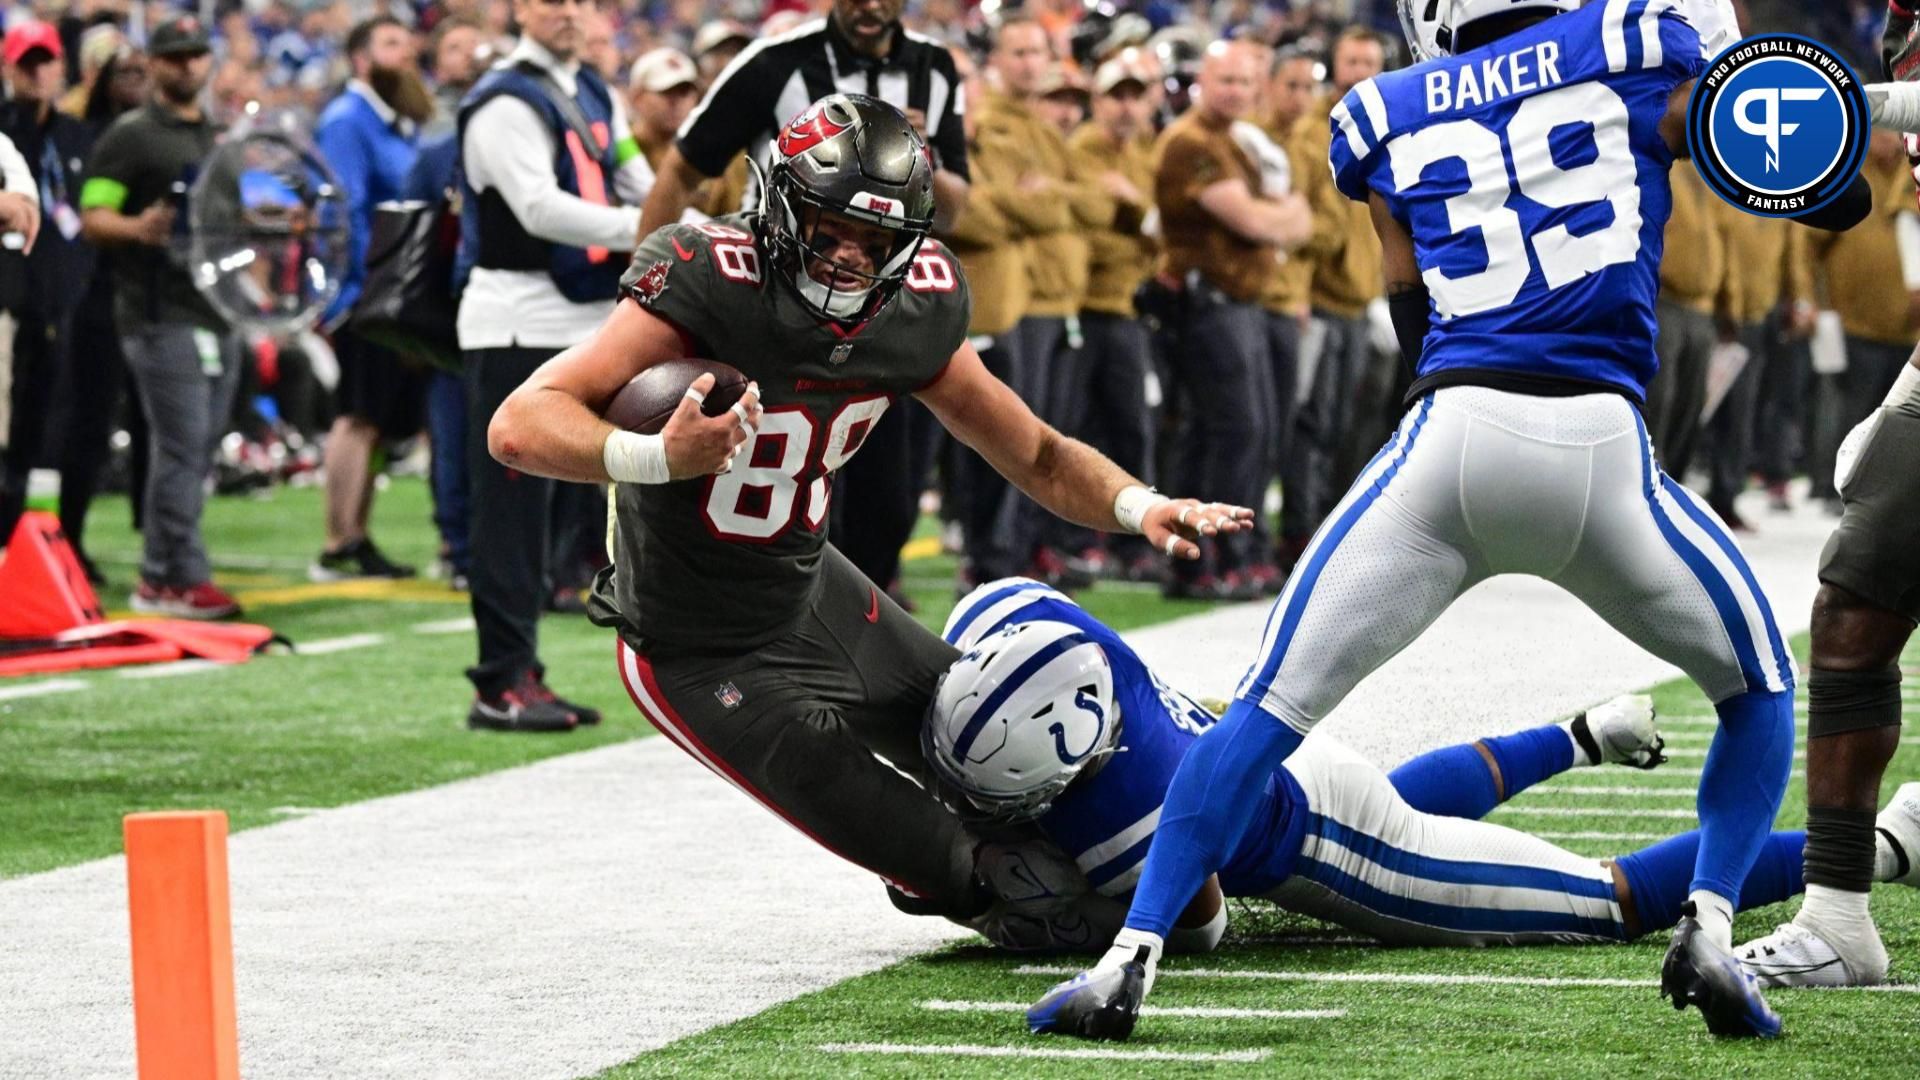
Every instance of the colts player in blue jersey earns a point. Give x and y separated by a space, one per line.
1517 178
1049 717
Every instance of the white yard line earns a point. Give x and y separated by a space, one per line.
445 626
171 669
1687 740
39 689
1411 978
1195 1011
1666 772
338 644
1674 792
1626 837
1593 811
1071 1054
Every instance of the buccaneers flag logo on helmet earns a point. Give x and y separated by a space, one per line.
810 129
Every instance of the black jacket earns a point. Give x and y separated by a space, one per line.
59 269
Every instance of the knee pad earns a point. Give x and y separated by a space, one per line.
1843 701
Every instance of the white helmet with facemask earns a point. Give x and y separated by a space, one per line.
1018 717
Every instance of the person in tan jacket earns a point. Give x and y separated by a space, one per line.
1350 409
1103 399
986 238
1049 213
1767 293
1693 267
1290 90
1222 232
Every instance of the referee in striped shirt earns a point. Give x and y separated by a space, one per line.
860 48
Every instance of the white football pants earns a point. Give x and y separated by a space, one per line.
1478 482
1370 862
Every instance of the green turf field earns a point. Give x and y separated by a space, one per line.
285 733
1391 1028
379 710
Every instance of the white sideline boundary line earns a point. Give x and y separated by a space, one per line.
1245 1057
445 626
40 689
1411 978
1204 1012
339 644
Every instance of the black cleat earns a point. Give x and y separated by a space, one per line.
1094 1004
525 706
1699 973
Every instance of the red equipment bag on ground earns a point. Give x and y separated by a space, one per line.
50 619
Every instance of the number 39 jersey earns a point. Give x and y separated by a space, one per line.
1532 176
730 562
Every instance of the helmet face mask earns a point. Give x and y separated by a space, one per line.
1017 719
848 165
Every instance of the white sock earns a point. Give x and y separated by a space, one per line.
1580 758
1828 907
1715 916
1886 863
1126 945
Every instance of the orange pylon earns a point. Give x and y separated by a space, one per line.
177 902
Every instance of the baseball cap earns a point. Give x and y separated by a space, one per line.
718 33
662 70
1114 72
1061 79
182 35
26 36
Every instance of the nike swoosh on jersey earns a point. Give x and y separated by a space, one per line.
873 610
685 255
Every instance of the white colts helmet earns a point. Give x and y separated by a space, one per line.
1019 716
1430 25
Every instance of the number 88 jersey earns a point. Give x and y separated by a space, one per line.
1532 176
731 562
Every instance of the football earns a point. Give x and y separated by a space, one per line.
645 404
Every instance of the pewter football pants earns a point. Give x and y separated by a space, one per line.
794 725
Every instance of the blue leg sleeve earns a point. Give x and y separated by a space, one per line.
1658 875
1741 786
1209 805
1454 781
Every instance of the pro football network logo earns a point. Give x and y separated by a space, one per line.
1778 125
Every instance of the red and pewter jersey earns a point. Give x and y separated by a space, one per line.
731 562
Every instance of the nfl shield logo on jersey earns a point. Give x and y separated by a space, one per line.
729 695
840 353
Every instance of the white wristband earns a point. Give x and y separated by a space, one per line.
632 458
1894 106
1132 504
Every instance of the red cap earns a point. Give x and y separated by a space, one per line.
22 37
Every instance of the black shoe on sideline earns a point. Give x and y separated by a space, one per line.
526 706
356 559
